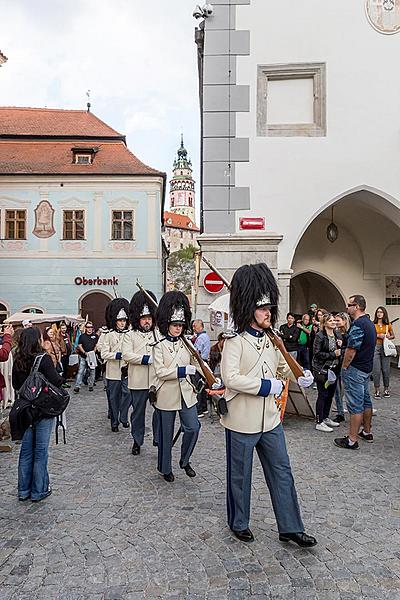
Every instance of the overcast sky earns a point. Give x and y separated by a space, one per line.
137 57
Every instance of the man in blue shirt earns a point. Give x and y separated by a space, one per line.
202 345
356 371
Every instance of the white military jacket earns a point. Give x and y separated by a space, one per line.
136 346
109 344
246 360
169 354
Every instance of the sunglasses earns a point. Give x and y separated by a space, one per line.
354 304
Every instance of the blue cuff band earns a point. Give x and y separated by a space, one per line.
118 356
265 388
145 359
181 372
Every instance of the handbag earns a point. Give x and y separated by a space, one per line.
59 368
389 347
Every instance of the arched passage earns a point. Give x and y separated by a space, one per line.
365 253
93 305
307 288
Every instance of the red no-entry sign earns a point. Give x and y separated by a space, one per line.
213 283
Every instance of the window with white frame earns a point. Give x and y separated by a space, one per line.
73 224
15 225
122 225
291 100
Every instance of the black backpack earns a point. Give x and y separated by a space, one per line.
37 399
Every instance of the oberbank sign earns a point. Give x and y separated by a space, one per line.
81 280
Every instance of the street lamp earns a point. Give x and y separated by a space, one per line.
332 231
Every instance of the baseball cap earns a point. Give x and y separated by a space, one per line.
313 305
26 322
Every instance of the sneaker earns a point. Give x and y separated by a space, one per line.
377 394
368 437
76 390
374 411
344 443
90 389
200 415
65 385
323 427
386 394
339 419
331 423
345 410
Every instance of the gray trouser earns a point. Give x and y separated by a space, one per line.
271 450
381 365
190 427
119 400
138 415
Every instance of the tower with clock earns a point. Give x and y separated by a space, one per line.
182 194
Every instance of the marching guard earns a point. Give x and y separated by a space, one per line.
137 352
252 370
173 365
116 369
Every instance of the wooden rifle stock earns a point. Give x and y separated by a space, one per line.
208 374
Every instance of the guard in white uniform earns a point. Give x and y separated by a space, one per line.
137 352
252 370
173 365
116 368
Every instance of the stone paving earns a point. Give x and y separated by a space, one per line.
114 529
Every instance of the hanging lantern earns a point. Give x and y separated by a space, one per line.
332 231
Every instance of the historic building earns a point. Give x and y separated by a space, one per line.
180 228
300 132
80 215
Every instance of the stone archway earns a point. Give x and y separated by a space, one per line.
309 287
93 305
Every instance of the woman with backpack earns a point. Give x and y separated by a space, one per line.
326 354
33 477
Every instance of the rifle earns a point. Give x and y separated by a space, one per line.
273 335
212 381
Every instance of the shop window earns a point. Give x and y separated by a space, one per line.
291 100
74 225
122 225
15 224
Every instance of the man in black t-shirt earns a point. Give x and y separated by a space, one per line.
87 343
290 334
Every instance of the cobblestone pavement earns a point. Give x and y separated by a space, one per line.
114 529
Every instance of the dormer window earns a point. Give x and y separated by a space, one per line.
83 156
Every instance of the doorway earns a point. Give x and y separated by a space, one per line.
93 305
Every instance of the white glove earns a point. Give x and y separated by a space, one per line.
150 361
190 370
276 386
306 380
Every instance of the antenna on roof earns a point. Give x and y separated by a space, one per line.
88 102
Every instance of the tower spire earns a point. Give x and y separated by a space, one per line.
182 194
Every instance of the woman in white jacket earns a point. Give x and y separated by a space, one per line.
173 366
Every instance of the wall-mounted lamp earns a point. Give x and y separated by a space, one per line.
332 231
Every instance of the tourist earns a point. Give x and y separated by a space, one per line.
381 361
325 369
342 327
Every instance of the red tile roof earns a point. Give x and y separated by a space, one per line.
37 157
39 141
50 122
178 221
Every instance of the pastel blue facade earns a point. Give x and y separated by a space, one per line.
57 275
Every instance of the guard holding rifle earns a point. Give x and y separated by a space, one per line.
252 369
137 352
173 365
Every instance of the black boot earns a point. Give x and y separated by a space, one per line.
188 469
114 428
169 477
135 449
245 535
301 539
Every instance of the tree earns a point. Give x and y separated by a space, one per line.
181 269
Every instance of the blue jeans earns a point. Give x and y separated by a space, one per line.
33 477
339 392
81 372
356 388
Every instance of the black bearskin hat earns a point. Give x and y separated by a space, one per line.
252 286
170 304
138 305
113 309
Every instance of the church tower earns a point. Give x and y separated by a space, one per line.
182 193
